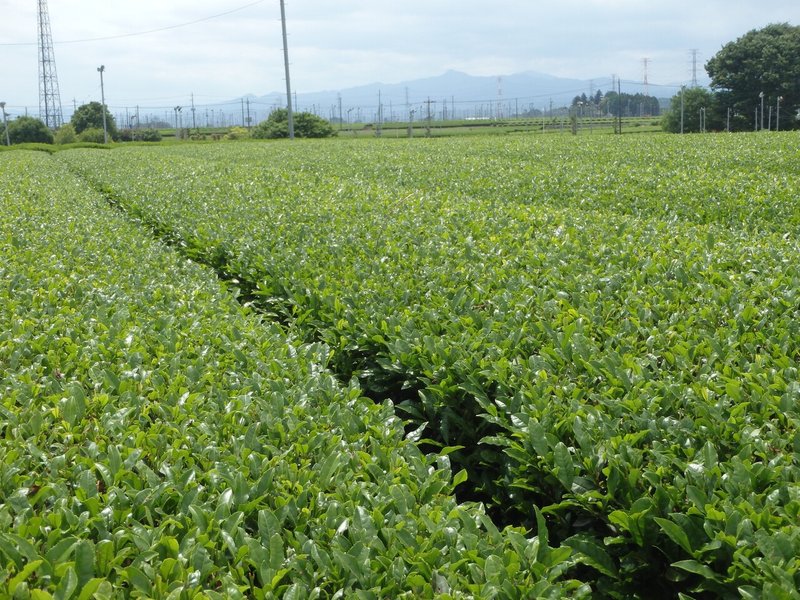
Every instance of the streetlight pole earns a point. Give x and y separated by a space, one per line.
100 70
5 122
177 110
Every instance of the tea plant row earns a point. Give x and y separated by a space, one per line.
607 329
158 440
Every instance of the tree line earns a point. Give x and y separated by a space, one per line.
755 85
619 104
86 125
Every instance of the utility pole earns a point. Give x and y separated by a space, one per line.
428 125
410 113
249 120
290 115
380 115
5 122
778 114
194 120
178 110
340 112
683 87
761 95
499 98
609 105
100 70
619 103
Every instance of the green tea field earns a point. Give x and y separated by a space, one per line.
471 367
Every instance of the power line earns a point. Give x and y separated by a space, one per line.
138 33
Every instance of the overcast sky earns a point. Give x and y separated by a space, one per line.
343 43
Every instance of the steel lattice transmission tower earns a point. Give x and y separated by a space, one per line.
49 96
694 52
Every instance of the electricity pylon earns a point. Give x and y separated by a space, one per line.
49 97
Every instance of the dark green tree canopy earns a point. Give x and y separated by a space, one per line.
763 60
631 105
695 100
306 125
90 116
26 129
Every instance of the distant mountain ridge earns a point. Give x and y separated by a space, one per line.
457 94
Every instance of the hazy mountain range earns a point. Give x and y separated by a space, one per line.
456 94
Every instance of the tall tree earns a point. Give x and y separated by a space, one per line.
306 125
90 116
761 61
26 129
695 101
